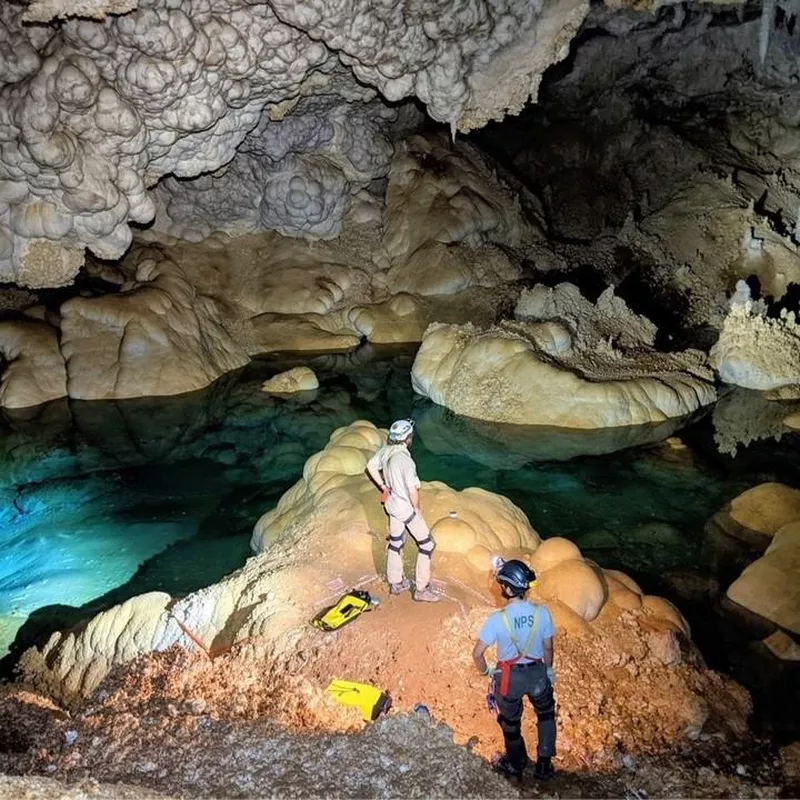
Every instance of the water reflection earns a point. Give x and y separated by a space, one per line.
503 446
104 500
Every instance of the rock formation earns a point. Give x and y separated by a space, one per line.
770 586
327 534
503 446
565 364
109 106
35 371
298 379
446 250
754 350
157 336
764 521
756 515
744 416
663 159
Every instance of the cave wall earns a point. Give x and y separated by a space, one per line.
665 151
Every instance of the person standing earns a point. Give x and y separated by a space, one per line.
523 632
393 471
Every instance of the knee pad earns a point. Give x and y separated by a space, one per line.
511 728
544 704
426 546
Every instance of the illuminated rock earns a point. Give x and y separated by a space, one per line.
298 379
35 373
757 514
770 586
158 336
755 350
505 374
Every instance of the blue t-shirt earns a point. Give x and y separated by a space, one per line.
521 616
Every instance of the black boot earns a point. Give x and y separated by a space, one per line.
543 770
502 765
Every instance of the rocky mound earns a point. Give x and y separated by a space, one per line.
757 351
770 586
567 363
298 379
762 526
629 678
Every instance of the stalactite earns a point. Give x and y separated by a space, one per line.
767 15
797 225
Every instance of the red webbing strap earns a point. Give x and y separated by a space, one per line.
505 666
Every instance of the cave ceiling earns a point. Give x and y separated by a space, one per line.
198 115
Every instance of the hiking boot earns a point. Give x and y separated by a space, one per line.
543 770
399 588
426 595
502 765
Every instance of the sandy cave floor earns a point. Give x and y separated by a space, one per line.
238 725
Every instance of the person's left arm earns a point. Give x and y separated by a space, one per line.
414 485
548 637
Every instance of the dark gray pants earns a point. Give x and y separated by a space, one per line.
530 680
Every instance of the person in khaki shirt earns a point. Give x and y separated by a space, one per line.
393 471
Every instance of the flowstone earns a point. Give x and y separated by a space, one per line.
567 364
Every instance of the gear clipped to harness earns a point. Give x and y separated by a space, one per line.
349 606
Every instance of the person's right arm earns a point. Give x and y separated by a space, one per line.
374 472
413 496
547 647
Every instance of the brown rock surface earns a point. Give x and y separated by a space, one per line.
765 508
770 586
35 373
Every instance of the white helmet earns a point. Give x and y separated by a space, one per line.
401 430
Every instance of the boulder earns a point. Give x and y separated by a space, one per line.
35 373
575 584
758 513
770 586
782 646
754 350
158 336
552 552
505 374
298 379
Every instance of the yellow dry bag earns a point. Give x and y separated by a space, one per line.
347 608
369 700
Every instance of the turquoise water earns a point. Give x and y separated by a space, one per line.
105 500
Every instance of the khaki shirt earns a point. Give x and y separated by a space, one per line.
399 474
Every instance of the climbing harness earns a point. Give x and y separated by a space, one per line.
505 666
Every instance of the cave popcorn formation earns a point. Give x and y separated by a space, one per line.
96 111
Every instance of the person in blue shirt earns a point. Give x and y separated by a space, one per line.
523 632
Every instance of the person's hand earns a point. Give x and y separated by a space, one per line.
385 492
551 675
